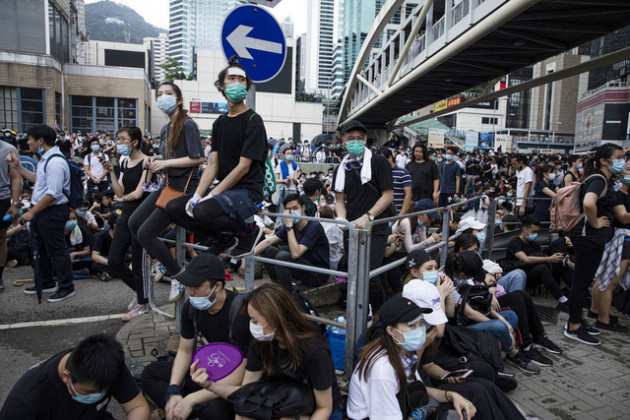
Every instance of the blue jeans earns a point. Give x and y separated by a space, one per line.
497 328
514 280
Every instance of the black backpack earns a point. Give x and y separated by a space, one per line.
75 198
460 346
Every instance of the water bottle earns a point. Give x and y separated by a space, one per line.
337 343
9 217
418 414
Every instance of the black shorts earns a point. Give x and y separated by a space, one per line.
4 207
625 250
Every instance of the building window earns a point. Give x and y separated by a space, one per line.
9 108
488 120
32 101
90 113
58 119
21 108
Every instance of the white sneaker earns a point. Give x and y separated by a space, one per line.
177 289
157 271
134 312
133 302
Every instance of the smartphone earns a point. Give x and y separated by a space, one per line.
462 373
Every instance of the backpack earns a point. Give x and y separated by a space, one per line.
566 209
75 198
237 302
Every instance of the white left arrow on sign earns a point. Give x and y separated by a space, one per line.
239 40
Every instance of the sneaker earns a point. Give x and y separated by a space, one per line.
105 277
62 294
157 271
563 307
506 384
521 361
581 335
611 326
134 312
591 330
2 285
247 243
134 302
546 344
221 247
537 358
32 291
177 289
12 263
506 373
593 315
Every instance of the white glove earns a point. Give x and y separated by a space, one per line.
342 227
191 204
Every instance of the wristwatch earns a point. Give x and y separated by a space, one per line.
370 216
290 227
172 390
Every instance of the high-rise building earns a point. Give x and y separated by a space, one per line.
300 63
287 27
319 45
158 51
196 25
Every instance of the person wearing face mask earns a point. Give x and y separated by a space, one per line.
424 173
389 364
544 190
451 174
307 243
79 241
128 191
216 312
286 347
524 184
93 166
573 174
77 383
237 162
415 228
364 192
313 188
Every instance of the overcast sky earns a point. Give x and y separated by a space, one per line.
156 12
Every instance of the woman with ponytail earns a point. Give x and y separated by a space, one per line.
181 153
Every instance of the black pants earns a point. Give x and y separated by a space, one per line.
541 273
529 324
209 217
156 378
49 247
394 276
146 224
490 402
120 244
97 268
445 199
588 255
285 275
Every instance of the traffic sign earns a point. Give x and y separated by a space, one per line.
253 34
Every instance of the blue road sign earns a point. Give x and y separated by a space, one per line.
253 34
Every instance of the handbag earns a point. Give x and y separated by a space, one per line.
478 297
272 399
169 193
413 396
621 299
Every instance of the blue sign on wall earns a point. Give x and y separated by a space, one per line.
253 34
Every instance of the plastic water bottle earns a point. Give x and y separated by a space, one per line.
337 343
9 217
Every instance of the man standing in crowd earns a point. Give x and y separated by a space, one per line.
10 190
97 181
450 178
48 214
402 183
524 183
364 192
472 173
424 175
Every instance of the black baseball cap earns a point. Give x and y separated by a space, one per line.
353 125
398 309
203 267
416 259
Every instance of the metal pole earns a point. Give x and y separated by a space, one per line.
180 256
251 97
492 214
445 232
358 283
250 266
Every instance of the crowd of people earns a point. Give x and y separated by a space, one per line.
134 190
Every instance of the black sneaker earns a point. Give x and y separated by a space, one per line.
46 289
581 335
523 362
537 358
104 276
1 285
221 247
590 330
506 384
62 294
563 307
546 344
247 243
593 315
611 326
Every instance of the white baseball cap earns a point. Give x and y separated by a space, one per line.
426 295
470 222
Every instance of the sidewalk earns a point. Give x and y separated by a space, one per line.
586 382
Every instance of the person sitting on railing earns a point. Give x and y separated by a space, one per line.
545 189
523 252
307 243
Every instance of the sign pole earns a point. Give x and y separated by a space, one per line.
251 97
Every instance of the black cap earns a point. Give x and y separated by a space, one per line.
399 309
427 204
470 263
201 268
353 125
416 259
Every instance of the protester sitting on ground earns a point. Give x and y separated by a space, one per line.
103 208
214 312
474 227
417 227
77 384
523 252
464 266
563 270
313 191
18 244
334 235
286 347
389 365
100 250
307 243
79 241
544 191
86 217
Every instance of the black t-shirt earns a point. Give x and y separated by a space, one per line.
216 327
360 198
243 135
40 394
189 145
102 242
87 239
313 236
542 206
316 367
64 147
472 167
130 181
516 245
624 199
422 175
605 207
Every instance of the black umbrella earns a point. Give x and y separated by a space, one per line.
321 138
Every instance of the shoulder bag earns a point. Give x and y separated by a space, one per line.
169 193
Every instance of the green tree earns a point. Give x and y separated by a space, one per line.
173 70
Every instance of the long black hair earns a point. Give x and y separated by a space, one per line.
605 151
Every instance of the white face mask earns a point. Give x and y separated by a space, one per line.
258 332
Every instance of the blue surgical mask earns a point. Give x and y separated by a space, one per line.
551 176
203 303
355 148
481 237
440 160
123 149
81 212
500 226
626 179
580 165
40 151
532 237
618 166
297 214
70 225
235 92
95 148
430 276
167 104
449 156
510 194
420 224
86 399
414 339
288 158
